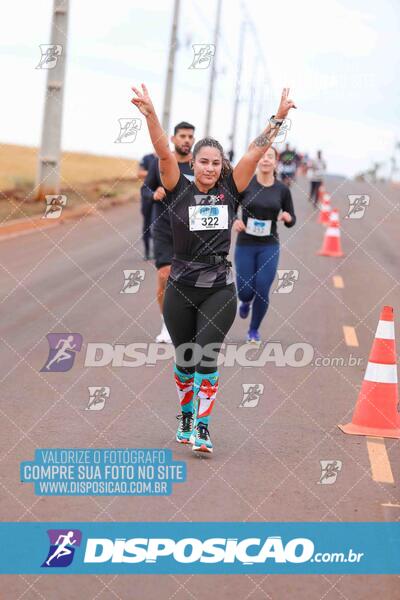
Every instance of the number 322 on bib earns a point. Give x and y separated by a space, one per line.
202 218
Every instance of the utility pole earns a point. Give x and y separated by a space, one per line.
261 110
213 70
237 90
171 68
251 102
48 173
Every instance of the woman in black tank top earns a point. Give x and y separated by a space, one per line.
200 299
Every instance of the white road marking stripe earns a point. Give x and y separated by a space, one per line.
350 336
378 457
338 281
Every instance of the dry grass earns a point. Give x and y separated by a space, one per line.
85 178
18 165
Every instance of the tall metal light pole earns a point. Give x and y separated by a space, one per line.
251 102
213 71
48 173
261 109
171 68
237 89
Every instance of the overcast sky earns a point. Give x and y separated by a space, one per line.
341 59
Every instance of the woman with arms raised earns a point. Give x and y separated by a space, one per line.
200 299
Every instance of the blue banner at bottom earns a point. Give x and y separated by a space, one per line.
191 548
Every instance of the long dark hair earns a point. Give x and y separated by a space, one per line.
212 143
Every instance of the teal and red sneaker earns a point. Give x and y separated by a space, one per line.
185 427
200 438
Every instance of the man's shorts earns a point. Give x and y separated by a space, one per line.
163 249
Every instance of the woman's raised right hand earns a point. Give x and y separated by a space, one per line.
143 101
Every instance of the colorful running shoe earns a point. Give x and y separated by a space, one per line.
200 438
185 427
244 309
253 337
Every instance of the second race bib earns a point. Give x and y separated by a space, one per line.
209 217
258 227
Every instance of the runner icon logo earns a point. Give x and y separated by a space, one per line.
133 279
251 394
128 129
63 543
329 471
286 280
203 54
62 351
97 397
357 206
54 206
50 54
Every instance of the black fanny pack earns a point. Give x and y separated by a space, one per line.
210 259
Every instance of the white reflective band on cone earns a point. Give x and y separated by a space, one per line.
333 232
381 373
325 208
385 330
334 217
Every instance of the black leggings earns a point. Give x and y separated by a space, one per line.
147 207
315 185
196 317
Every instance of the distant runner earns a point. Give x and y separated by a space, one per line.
317 172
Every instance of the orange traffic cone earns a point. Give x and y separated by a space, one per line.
325 209
331 245
321 192
376 409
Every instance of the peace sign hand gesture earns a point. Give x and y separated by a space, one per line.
285 105
143 101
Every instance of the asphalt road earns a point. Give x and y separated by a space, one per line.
266 462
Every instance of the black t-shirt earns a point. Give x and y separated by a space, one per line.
160 217
201 225
147 161
262 203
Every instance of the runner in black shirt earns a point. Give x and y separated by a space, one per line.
264 202
146 203
200 300
182 140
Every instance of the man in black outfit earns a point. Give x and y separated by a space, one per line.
183 140
146 204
